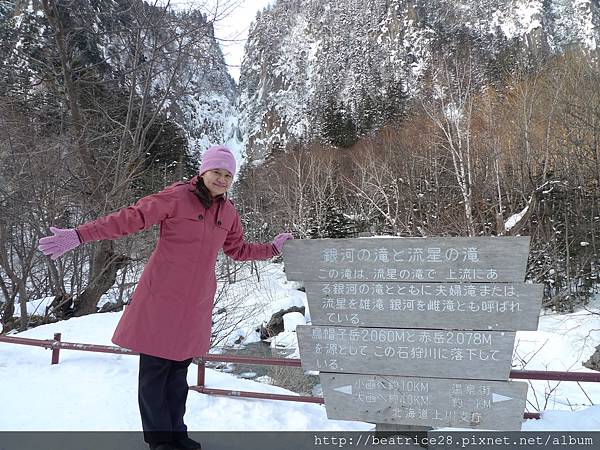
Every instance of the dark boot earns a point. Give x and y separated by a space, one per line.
163 446
185 443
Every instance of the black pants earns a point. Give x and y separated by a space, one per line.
162 393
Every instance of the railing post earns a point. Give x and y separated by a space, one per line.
56 349
201 372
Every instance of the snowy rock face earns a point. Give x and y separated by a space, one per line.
328 70
204 104
192 87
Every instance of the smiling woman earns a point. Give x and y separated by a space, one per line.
217 170
168 320
217 181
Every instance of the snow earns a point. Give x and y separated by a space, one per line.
587 26
35 307
514 219
292 320
561 343
285 340
574 21
524 19
82 379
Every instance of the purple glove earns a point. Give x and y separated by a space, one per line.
279 241
59 244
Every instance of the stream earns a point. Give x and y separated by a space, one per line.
292 378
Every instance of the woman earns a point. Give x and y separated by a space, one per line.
169 318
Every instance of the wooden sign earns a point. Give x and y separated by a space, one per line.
416 332
482 355
492 306
435 402
455 260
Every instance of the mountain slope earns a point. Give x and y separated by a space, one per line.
335 70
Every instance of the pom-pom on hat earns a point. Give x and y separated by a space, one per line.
217 157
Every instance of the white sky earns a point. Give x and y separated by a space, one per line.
232 21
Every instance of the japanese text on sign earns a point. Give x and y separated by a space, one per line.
417 254
404 274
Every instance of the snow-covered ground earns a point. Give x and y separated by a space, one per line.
95 391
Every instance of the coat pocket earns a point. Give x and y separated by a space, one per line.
222 229
182 239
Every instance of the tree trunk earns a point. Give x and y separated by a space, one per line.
103 274
23 299
104 265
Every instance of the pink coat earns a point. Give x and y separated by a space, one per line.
170 314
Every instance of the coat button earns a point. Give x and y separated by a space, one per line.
200 216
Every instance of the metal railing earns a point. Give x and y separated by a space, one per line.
56 345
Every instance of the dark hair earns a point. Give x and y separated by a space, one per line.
203 194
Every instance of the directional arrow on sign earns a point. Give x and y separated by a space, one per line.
455 402
499 398
344 389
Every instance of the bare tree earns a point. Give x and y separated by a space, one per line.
379 186
155 45
450 108
302 185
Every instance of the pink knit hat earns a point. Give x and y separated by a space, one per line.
217 157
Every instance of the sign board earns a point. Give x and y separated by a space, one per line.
484 355
492 306
398 325
454 260
490 405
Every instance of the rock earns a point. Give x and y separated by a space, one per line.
276 325
594 361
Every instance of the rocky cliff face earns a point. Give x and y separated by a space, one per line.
106 49
335 70
326 70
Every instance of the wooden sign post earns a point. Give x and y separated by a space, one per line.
414 401
416 332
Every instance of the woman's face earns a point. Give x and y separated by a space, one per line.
218 181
